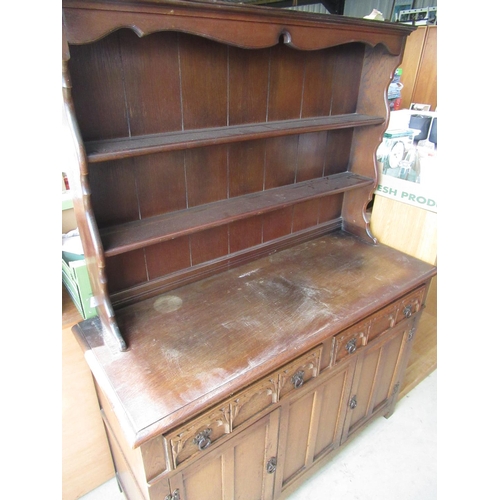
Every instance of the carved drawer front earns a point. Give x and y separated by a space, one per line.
383 320
351 340
256 398
410 305
294 375
196 436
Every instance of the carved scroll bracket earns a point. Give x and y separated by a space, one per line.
89 233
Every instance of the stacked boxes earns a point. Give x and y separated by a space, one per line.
76 280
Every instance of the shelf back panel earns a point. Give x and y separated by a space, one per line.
126 86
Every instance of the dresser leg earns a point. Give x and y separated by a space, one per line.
119 484
394 400
390 411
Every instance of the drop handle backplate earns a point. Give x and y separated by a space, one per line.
173 496
351 346
271 465
353 403
202 439
407 311
411 333
298 379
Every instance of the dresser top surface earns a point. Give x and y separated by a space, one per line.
195 345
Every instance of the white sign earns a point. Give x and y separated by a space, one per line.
407 172
419 195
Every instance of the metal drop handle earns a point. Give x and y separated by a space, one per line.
298 379
351 346
407 311
202 439
174 496
411 333
271 465
353 403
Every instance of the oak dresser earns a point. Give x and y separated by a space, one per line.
249 323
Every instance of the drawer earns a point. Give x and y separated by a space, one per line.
351 340
396 312
196 436
193 438
383 320
294 375
256 398
410 304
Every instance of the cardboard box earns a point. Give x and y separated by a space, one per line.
407 172
76 280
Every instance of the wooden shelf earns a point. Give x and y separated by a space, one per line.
114 149
138 234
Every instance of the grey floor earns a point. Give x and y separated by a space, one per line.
392 459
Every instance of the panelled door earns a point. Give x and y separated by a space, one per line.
376 378
243 468
312 424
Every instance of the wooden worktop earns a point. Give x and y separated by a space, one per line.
193 346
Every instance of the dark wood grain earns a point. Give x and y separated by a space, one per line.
277 224
152 82
161 183
206 175
245 233
98 93
348 64
281 161
210 265
104 150
126 270
167 257
126 237
318 77
113 193
313 290
286 76
203 82
207 131
249 27
305 214
338 151
330 208
225 158
246 163
248 85
209 244
375 77
311 156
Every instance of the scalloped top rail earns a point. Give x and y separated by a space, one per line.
113 149
88 21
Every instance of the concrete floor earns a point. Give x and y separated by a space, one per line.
392 459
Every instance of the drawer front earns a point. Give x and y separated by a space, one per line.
269 390
395 313
256 398
294 375
383 320
193 438
410 305
351 341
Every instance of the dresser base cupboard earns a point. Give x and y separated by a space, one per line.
249 322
